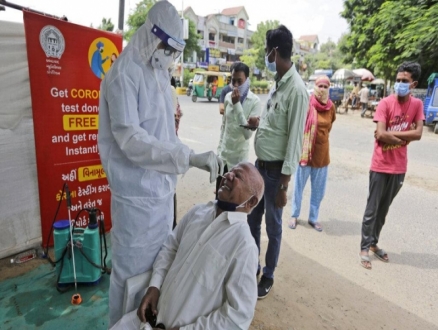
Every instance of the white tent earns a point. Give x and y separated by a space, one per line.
344 74
20 225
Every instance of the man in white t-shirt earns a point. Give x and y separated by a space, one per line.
363 94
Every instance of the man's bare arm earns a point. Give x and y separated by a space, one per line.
412 135
384 136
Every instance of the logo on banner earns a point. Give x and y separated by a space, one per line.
52 41
102 53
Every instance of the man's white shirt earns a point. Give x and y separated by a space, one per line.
206 272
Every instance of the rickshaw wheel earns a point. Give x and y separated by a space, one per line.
194 98
435 128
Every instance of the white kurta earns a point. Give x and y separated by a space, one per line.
234 140
206 273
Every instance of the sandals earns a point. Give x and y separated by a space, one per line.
364 259
381 254
316 225
292 224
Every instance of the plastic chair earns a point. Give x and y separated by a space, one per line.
135 289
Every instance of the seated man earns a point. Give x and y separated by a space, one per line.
204 275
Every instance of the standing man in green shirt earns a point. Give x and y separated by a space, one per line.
240 104
278 144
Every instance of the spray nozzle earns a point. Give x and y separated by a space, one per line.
93 216
67 192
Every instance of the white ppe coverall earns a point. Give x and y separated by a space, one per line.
140 153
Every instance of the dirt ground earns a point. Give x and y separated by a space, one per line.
305 296
319 283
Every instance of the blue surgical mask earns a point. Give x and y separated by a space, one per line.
402 89
225 206
271 66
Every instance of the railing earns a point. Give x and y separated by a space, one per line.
227 28
226 44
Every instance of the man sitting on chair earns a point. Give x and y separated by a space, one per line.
203 276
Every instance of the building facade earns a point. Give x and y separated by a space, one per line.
308 44
224 36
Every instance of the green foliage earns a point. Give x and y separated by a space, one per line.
260 84
258 41
192 43
329 57
249 58
187 76
138 17
348 88
106 25
385 33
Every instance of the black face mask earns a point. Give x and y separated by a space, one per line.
101 50
225 206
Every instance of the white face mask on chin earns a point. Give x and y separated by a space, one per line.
161 61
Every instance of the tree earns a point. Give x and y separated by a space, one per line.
385 33
329 57
192 44
361 37
138 17
106 25
249 58
258 40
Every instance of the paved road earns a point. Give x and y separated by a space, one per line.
406 288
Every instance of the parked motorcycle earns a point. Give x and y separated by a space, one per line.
190 88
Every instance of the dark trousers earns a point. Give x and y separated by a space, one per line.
219 179
271 173
383 188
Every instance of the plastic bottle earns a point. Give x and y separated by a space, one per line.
24 256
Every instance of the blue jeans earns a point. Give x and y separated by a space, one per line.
318 180
272 218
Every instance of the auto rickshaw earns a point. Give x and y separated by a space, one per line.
209 84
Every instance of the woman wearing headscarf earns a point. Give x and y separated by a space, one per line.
315 156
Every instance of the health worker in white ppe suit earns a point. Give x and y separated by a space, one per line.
139 150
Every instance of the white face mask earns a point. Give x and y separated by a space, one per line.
160 60
243 204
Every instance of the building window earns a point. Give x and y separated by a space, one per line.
211 36
240 40
241 24
228 39
232 19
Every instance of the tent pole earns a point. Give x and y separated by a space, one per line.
18 7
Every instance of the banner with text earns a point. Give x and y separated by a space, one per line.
66 65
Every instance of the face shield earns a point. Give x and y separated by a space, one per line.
172 46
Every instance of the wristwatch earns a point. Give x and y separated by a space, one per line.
283 187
